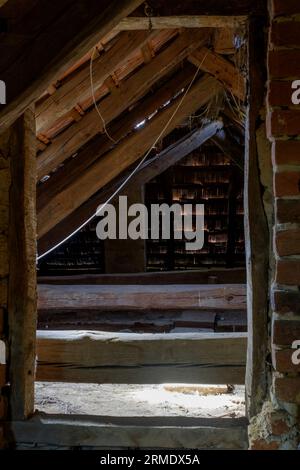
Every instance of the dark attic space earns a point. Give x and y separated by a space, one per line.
149 228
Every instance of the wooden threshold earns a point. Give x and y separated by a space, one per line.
106 432
101 357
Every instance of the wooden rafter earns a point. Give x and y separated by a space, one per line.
221 69
69 141
78 87
147 171
125 154
230 148
183 21
72 33
74 167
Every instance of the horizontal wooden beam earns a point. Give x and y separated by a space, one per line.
185 21
74 137
125 154
221 69
68 32
98 357
203 276
142 297
162 432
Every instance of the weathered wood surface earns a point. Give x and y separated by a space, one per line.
220 68
113 297
22 313
108 432
71 29
124 155
78 88
98 357
257 236
184 21
198 276
117 130
134 88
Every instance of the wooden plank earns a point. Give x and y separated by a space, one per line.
78 134
22 314
69 41
221 69
100 357
183 21
224 41
113 297
124 155
257 237
117 130
78 87
108 432
204 276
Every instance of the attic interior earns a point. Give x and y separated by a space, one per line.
108 342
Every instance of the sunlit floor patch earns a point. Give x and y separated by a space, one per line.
141 400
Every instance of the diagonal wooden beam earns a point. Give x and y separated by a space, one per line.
184 21
230 148
151 168
78 88
221 69
69 141
72 33
125 154
91 152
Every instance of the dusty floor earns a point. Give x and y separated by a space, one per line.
137 400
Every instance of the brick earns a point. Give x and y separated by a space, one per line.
284 63
281 122
279 427
285 7
287 242
3 407
282 361
2 375
284 301
284 332
3 292
287 211
288 272
286 152
285 33
280 93
287 183
1 322
261 444
287 389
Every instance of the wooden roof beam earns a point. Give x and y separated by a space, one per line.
78 134
151 168
183 21
91 152
221 69
230 148
125 154
78 87
57 46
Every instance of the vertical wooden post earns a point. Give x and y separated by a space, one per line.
256 229
22 266
126 256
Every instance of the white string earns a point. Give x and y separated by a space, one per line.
94 98
100 208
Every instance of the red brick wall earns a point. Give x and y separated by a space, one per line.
284 132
